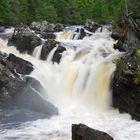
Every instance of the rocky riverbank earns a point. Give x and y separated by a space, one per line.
126 81
17 89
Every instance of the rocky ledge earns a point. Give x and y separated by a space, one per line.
17 89
83 132
48 47
27 38
24 39
126 81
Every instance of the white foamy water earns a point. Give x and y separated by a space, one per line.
37 51
80 87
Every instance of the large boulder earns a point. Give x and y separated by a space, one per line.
59 27
35 84
126 81
46 35
83 132
2 29
58 54
5 36
24 40
91 25
44 26
21 66
39 26
18 90
48 47
81 33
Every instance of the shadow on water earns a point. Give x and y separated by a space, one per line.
13 117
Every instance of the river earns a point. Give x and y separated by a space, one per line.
79 86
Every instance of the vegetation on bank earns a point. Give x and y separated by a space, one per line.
63 11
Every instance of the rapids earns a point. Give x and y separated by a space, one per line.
79 86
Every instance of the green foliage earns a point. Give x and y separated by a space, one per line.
5 12
138 53
64 11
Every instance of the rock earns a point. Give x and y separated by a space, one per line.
32 100
91 25
59 27
119 34
36 85
39 26
47 47
126 80
21 66
118 46
81 32
2 29
83 132
58 54
50 28
5 36
47 35
24 40
44 26
16 91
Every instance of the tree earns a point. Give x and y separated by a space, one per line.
5 12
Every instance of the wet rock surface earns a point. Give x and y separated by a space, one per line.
24 40
91 26
2 29
47 47
4 34
46 27
48 35
35 84
83 132
58 54
126 81
17 90
21 66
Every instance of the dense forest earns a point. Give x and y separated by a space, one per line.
63 11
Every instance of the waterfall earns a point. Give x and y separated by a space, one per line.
50 56
64 35
79 86
84 72
37 51
69 33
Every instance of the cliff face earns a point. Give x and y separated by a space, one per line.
126 81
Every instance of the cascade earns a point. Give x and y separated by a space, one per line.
79 86
69 33
37 51
50 56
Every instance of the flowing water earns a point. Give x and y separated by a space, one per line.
79 86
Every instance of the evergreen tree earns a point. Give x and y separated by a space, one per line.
5 12
64 11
